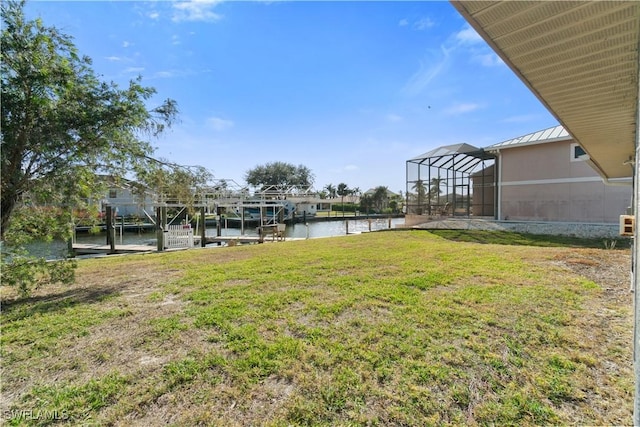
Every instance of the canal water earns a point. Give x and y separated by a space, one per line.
309 230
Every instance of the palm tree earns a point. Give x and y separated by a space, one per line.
434 188
356 192
420 188
331 190
343 190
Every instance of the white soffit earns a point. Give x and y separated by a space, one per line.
580 58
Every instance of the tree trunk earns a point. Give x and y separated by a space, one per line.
9 200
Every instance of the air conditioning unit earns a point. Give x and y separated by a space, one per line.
627 225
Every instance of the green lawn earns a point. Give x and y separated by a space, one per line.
394 328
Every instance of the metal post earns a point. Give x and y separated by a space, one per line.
429 202
107 218
634 284
160 229
111 235
242 220
219 222
497 176
203 231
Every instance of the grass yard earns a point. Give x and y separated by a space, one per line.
393 328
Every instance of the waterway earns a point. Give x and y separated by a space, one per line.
309 230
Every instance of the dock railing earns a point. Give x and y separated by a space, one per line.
179 236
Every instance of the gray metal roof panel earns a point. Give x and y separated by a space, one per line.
448 150
556 133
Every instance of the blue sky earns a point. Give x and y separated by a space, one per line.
349 89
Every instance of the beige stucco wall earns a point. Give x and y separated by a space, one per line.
540 182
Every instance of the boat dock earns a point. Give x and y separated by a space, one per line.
80 249
93 249
234 240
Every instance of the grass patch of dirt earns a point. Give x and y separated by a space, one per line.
404 328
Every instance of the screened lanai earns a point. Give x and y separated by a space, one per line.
453 180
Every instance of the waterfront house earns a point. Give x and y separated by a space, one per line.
542 176
127 198
547 176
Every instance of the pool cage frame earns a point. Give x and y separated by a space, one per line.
467 174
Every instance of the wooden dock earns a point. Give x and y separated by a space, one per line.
93 249
234 240
80 249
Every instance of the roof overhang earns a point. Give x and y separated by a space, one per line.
580 59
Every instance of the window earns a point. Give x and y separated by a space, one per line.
578 154
113 194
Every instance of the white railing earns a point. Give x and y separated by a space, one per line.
179 236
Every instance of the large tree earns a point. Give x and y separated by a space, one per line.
380 197
280 174
60 123
61 128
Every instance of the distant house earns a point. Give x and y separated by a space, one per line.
384 202
542 176
390 194
307 207
310 206
126 199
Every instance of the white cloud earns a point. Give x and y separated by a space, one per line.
114 58
219 124
175 40
126 44
394 118
478 51
154 15
195 10
350 168
419 25
164 74
134 70
468 36
421 78
489 60
423 24
462 108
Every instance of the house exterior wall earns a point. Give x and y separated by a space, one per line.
483 199
544 182
128 204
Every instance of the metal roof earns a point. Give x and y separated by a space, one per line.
459 157
556 133
580 59
447 150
